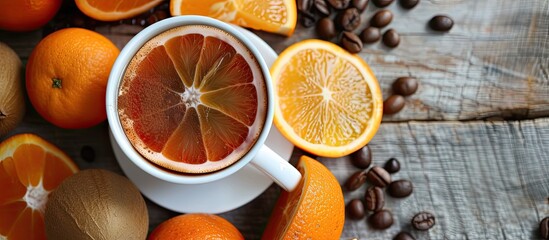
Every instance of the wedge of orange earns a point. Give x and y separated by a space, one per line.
314 210
30 168
276 16
327 102
115 10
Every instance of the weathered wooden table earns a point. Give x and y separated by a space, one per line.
474 139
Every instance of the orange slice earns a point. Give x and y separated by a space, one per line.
276 16
193 100
314 210
327 101
115 10
30 168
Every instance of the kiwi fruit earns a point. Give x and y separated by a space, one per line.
12 99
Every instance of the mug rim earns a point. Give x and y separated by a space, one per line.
116 76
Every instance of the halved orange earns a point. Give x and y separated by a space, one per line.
276 16
30 168
314 210
327 101
115 10
193 99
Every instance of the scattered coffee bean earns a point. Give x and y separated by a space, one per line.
544 228
374 198
304 5
393 104
351 42
359 4
362 158
391 38
307 19
355 181
423 221
441 23
378 177
370 35
348 20
382 18
322 7
382 3
87 153
339 4
403 236
381 220
325 28
400 188
409 4
405 86
355 209
392 165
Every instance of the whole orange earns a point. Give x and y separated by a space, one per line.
67 75
26 15
196 226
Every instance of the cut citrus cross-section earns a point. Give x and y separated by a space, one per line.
115 10
30 168
327 101
193 99
277 16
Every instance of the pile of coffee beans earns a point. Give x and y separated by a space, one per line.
379 178
402 87
341 18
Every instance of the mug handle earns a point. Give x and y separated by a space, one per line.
274 166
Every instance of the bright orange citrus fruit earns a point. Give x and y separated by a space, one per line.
27 15
193 100
30 168
115 10
314 210
327 101
67 75
277 16
196 226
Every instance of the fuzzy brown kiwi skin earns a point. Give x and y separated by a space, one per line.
12 98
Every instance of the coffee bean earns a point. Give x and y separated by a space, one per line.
370 35
441 23
355 181
381 220
400 188
403 236
355 209
339 4
348 20
544 228
351 42
362 158
325 28
391 38
304 5
322 7
392 165
87 153
374 198
382 3
382 18
408 4
405 86
393 104
378 177
423 221
307 19
359 4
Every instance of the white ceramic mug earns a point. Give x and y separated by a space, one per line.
260 156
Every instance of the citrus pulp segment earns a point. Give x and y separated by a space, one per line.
193 99
30 168
115 10
327 101
277 16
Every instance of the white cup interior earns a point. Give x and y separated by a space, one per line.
116 77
